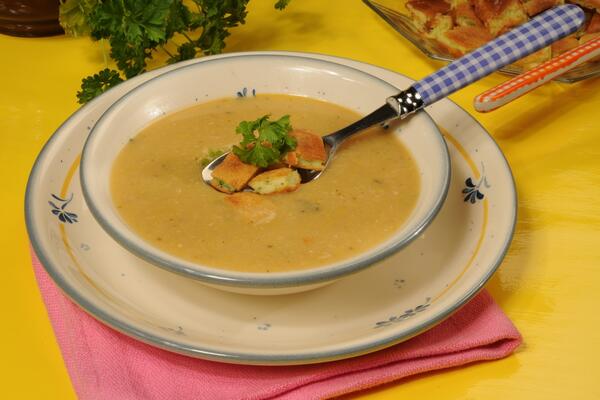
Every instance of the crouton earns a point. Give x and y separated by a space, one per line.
309 152
276 181
232 174
500 16
252 207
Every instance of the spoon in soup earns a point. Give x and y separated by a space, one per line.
528 38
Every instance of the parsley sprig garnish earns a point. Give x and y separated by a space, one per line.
137 29
96 84
264 142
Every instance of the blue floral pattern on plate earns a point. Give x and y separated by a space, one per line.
411 312
60 211
472 192
244 92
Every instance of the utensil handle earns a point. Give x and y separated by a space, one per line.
525 39
536 77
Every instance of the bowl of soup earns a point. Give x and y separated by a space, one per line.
141 175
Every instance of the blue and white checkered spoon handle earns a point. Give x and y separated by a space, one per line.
537 33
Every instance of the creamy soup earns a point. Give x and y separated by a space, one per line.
365 195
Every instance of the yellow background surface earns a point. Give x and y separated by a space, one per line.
549 283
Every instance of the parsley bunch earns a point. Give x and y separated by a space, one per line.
264 142
137 29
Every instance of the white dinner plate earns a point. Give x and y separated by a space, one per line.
402 296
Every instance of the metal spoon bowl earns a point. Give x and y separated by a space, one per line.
331 141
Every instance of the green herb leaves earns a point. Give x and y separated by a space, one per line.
264 142
281 4
210 156
136 29
73 15
98 83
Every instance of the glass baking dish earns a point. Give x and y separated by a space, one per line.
394 13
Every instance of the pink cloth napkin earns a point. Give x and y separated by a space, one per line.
105 364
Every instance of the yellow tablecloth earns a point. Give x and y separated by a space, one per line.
549 283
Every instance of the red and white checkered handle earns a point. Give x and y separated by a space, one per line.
526 82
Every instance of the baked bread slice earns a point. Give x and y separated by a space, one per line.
565 44
592 31
534 7
460 26
594 25
595 4
534 59
500 16
424 12
463 39
587 37
441 24
463 14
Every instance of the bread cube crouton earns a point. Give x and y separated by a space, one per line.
252 208
232 174
276 181
500 16
309 152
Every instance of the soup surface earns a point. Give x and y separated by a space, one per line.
365 195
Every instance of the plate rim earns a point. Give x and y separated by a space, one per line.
252 358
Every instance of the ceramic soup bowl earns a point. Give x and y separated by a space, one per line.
245 75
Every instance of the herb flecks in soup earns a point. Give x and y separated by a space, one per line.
359 202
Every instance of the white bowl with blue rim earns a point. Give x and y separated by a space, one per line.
282 74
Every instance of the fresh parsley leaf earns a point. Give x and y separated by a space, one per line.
134 28
216 17
264 142
281 4
137 29
130 59
179 20
134 21
184 52
97 84
73 16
